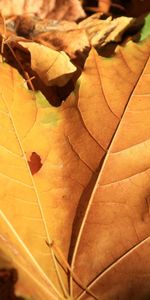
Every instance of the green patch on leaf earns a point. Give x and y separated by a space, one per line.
145 32
41 100
51 118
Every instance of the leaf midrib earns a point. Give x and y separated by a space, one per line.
34 187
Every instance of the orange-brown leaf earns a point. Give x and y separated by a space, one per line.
115 228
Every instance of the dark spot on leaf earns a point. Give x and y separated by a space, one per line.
34 163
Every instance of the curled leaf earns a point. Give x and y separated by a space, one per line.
53 67
101 32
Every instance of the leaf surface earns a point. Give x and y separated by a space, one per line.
13 253
50 157
53 67
114 234
40 197
104 101
20 200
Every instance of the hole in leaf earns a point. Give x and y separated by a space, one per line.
35 163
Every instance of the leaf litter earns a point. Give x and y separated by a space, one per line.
72 165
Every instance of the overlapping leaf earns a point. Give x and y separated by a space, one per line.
101 32
53 67
115 228
70 36
54 9
92 31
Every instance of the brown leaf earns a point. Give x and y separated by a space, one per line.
72 42
92 31
104 5
67 10
115 229
70 37
105 95
101 32
127 277
53 67
46 25
54 9
47 220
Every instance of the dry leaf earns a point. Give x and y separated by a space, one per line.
50 158
54 9
14 253
92 31
104 5
67 10
70 36
46 199
19 196
101 32
112 31
53 67
45 26
115 230
71 41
